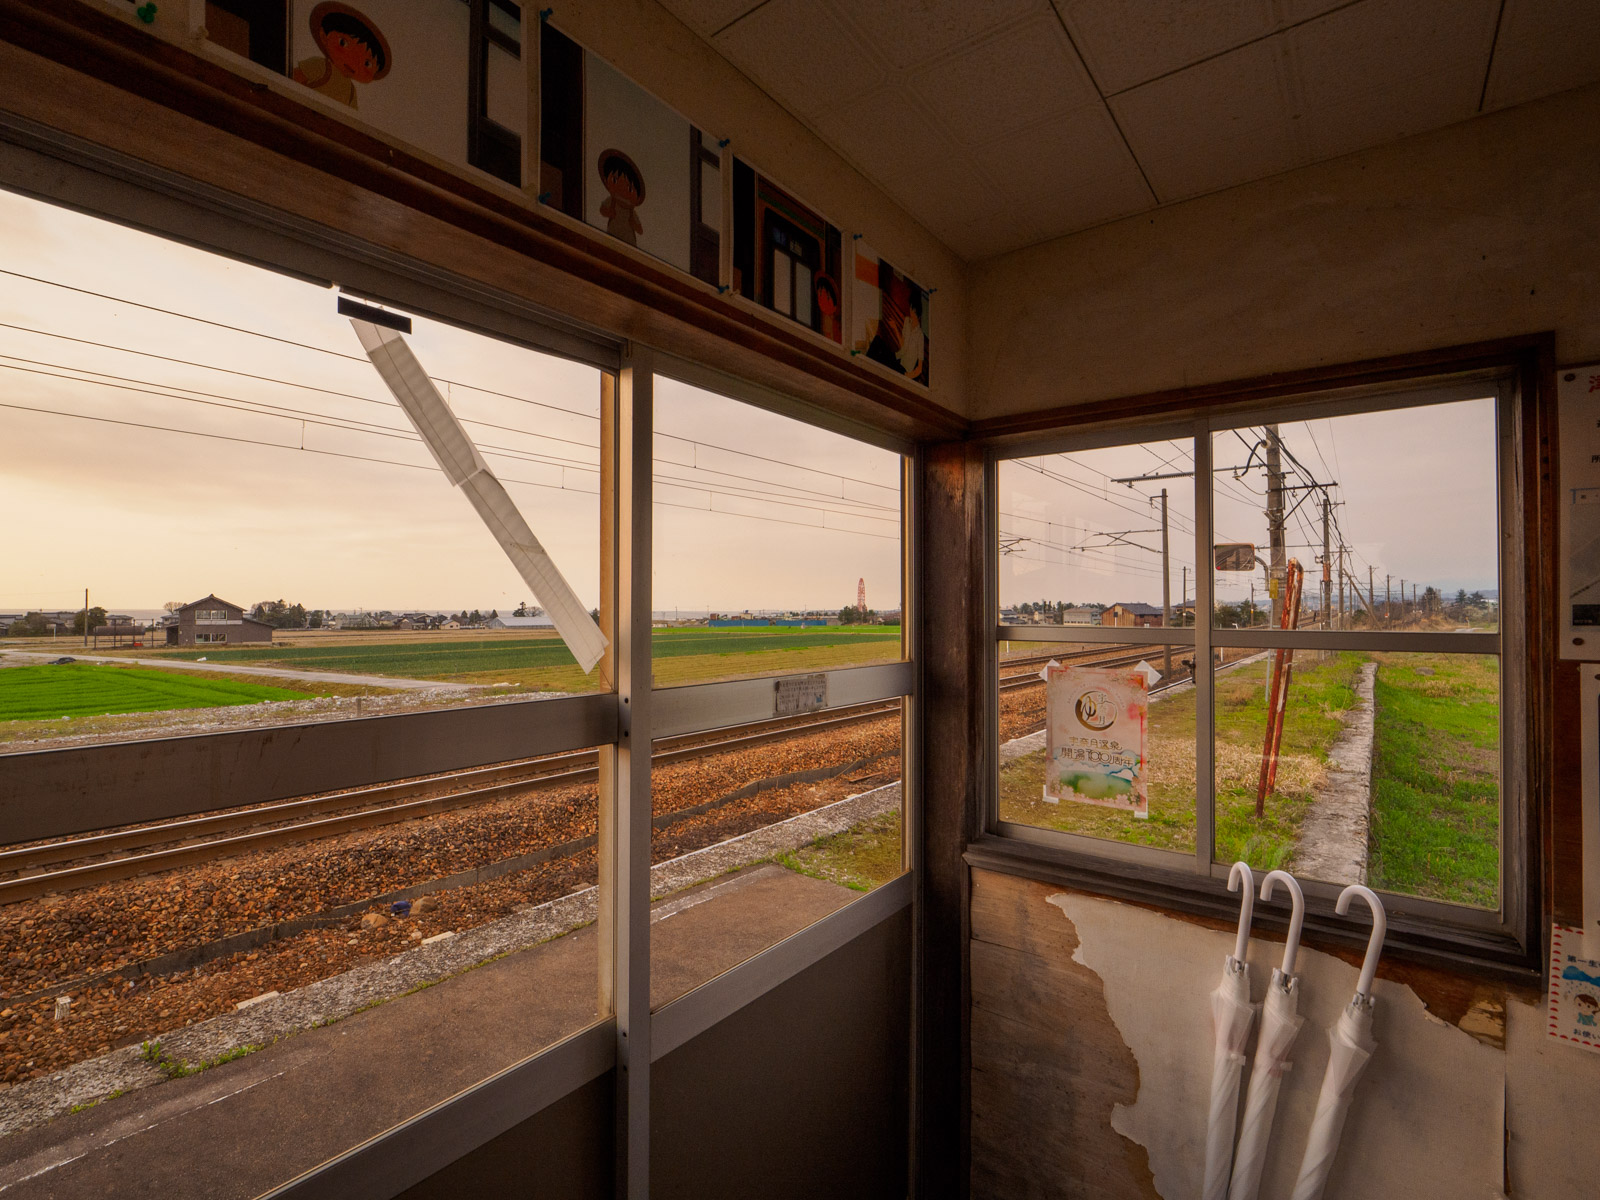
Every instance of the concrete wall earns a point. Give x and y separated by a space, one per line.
1477 231
1091 1060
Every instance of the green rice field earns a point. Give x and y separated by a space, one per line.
91 690
682 655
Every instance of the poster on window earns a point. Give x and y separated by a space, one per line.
614 156
889 319
1095 737
1574 1001
786 256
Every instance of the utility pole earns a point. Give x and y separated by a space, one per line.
1327 568
1370 598
1276 569
1183 596
86 617
1388 599
1402 601
1342 622
1166 589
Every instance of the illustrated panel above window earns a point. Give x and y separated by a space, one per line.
614 156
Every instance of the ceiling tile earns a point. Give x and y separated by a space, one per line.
801 55
1386 69
1066 173
1038 73
909 32
949 198
886 133
1210 126
1545 46
706 17
1129 42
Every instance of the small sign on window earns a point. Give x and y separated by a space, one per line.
1236 556
801 694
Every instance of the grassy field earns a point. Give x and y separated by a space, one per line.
541 662
861 858
1435 777
88 689
1322 692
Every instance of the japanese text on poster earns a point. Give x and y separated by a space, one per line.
1095 739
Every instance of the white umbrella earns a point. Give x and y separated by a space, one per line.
1352 1045
1232 1014
1280 1023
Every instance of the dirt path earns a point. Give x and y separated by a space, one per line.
1333 836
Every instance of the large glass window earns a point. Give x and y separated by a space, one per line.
1339 709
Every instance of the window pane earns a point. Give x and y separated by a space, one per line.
267 539
264 536
769 535
1098 536
1387 771
1405 502
1099 751
751 845
507 92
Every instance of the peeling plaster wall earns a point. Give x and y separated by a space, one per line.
1481 230
1092 1039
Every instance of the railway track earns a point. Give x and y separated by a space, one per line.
103 858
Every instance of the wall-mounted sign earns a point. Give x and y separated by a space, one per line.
1574 1000
1095 737
800 694
889 316
785 255
1235 556
1578 508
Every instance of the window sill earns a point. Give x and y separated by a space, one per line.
1483 955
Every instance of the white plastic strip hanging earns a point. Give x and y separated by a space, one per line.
465 468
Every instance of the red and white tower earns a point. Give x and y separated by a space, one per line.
861 594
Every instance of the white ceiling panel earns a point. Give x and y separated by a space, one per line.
801 55
1041 73
1066 173
1545 47
1129 42
706 17
909 32
982 120
1222 122
886 134
1386 69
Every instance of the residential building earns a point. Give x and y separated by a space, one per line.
212 621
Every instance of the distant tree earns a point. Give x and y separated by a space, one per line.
1476 598
521 610
97 618
1461 598
476 618
493 613
32 625
594 615
280 614
172 606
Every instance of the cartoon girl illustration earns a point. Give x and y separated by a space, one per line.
900 342
625 186
1588 1008
353 51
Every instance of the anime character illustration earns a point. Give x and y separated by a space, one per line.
1587 1009
353 51
625 187
828 307
900 343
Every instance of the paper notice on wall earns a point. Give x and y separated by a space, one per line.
1578 509
1574 1002
1095 738
464 467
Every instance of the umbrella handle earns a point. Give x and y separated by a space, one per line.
1297 913
1240 873
1380 926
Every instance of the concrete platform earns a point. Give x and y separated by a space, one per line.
236 1130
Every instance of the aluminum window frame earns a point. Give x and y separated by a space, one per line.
281 762
1503 939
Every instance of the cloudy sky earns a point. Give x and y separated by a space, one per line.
1416 499
220 460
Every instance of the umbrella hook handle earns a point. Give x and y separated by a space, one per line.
1380 926
1297 913
1247 904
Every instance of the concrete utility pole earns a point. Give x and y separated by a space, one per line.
1370 599
1166 590
1277 567
1183 595
86 617
1388 599
1327 568
1342 622
1402 601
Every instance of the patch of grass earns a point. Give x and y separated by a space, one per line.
1321 693
153 1054
861 858
92 689
1436 779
